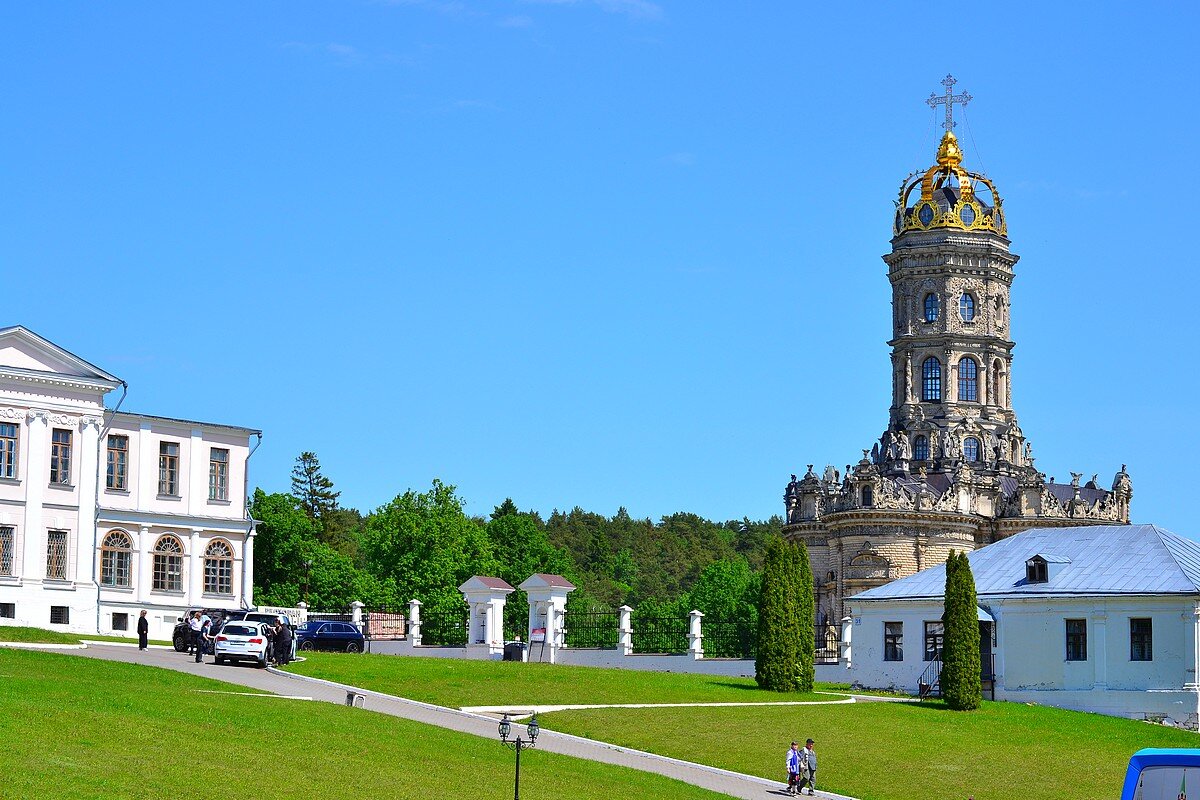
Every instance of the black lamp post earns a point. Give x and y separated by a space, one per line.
505 730
307 567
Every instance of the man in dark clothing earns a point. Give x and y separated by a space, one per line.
283 643
143 630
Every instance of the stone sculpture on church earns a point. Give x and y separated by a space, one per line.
953 469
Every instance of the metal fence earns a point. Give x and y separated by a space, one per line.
828 644
659 634
444 628
321 616
729 638
385 625
591 628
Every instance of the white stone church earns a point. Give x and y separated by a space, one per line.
104 512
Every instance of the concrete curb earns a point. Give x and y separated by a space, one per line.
42 646
548 709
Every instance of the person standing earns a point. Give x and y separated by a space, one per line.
283 643
197 636
143 631
808 767
793 768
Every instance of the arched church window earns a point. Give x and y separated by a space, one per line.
968 384
966 307
971 448
931 379
868 497
168 565
931 307
218 568
116 554
921 448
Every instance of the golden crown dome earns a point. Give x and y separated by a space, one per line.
947 198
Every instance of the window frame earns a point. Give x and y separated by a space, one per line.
1076 640
932 307
168 468
218 568
116 474
58 541
972 443
218 474
10 450
116 560
920 447
893 641
1141 643
8 551
967 307
931 380
60 456
936 638
163 578
968 380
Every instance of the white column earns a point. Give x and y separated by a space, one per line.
695 637
145 564
414 622
1098 649
87 544
146 484
197 473
625 630
847 633
1191 639
195 579
37 477
248 568
356 615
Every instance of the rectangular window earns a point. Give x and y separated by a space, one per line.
120 622
56 555
118 463
218 474
7 550
8 610
1141 640
1077 640
168 468
60 615
8 450
60 457
893 641
934 634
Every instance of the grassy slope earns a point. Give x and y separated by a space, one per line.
72 727
15 633
891 751
458 683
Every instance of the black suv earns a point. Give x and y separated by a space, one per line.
181 637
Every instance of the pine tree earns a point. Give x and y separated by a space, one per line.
960 678
778 659
313 490
806 616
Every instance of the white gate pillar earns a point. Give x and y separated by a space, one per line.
485 597
547 611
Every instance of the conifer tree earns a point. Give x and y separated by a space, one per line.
960 679
806 616
777 664
312 489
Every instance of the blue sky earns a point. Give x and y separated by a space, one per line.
601 252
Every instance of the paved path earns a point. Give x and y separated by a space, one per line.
726 782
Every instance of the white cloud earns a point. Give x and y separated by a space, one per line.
635 9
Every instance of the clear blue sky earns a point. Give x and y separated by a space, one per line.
595 253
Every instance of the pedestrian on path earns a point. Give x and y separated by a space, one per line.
283 643
143 630
808 768
793 768
197 636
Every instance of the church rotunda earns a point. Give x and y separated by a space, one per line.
953 470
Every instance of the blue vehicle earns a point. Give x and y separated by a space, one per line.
340 636
1162 774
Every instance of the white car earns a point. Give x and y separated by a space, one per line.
242 641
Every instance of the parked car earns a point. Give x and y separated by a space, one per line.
243 641
341 636
259 616
1156 772
181 636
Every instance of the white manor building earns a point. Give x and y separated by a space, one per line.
104 513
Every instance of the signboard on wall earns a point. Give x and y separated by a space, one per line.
537 635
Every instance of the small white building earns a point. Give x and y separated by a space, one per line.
104 513
1103 619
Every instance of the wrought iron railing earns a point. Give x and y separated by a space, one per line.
444 628
659 634
592 628
827 642
729 638
385 625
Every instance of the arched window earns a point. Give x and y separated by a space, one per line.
218 568
931 307
116 555
968 385
168 565
868 497
966 307
921 448
931 379
971 448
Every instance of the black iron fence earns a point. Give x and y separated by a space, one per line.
591 628
729 638
321 616
828 641
444 628
659 634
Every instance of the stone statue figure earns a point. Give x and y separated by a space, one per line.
893 446
949 445
1028 451
904 447
1002 449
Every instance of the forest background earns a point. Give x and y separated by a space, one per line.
422 545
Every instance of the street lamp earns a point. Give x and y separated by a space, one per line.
307 567
505 730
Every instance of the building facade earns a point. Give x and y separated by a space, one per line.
1102 618
953 469
104 513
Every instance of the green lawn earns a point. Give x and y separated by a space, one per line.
13 633
898 751
458 683
74 727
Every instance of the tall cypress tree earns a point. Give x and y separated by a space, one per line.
777 663
960 679
806 616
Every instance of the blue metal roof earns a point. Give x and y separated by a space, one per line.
1102 559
